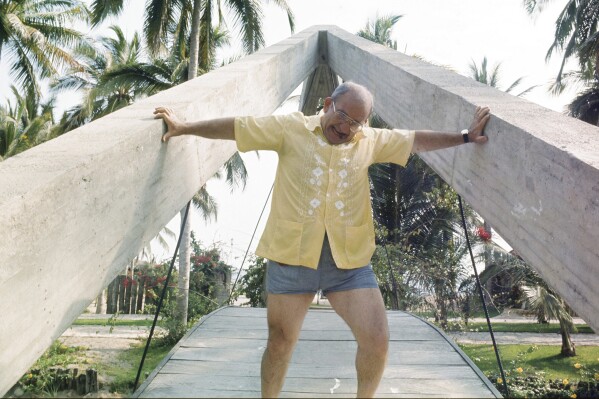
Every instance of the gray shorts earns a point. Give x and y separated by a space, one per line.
287 279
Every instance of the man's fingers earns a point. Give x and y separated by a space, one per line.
481 139
163 109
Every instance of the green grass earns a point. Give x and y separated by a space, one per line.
545 359
525 327
124 376
113 322
458 315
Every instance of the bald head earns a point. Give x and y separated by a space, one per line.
355 92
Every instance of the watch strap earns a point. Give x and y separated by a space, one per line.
465 135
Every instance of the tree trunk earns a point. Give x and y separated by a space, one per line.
184 269
111 300
194 44
121 293
141 294
128 282
101 303
441 313
185 249
568 347
394 293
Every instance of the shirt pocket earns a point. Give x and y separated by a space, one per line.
288 238
359 244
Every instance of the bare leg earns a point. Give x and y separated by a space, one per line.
364 311
285 314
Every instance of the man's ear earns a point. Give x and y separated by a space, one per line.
327 104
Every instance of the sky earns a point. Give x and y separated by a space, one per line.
452 33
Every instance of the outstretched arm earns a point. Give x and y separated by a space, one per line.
428 140
223 128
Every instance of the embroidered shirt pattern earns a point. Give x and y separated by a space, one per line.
319 187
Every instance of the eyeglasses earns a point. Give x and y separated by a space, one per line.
354 126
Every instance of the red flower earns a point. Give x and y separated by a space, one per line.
202 259
483 233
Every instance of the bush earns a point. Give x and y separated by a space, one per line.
47 375
252 284
536 386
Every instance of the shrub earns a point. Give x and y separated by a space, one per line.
536 386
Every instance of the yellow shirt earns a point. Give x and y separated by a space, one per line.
320 187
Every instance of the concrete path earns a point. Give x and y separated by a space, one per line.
521 338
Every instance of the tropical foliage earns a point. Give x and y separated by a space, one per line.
491 78
577 38
252 284
380 29
24 123
529 289
35 36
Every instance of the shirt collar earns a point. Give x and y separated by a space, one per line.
313 122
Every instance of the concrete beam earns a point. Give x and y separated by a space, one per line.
536 181
321 83
74 211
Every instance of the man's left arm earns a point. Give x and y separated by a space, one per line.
428 140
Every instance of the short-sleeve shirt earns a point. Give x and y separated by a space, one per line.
320 187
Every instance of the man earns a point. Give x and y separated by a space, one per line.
320 232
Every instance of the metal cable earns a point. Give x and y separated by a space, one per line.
168 276
249 245
482 298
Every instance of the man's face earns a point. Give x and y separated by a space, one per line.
337 118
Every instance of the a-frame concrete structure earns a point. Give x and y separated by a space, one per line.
75 210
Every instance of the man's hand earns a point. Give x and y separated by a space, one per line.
220 129
477 127
175 127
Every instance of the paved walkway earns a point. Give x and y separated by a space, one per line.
221 355
136 332
522 338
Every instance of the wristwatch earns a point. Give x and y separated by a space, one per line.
465 135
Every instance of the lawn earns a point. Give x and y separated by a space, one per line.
543 359
113 322
124 377
525 327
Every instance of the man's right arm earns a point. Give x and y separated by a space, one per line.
223 128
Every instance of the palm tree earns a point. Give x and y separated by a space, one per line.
172 23
380 30
35 36
547 305
539 298
25 124
101 94
575 34
491 78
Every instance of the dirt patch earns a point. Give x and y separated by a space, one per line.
101 349
103 345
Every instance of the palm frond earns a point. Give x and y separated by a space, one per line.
103 9
205 204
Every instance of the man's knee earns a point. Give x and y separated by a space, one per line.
376 342
280 340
